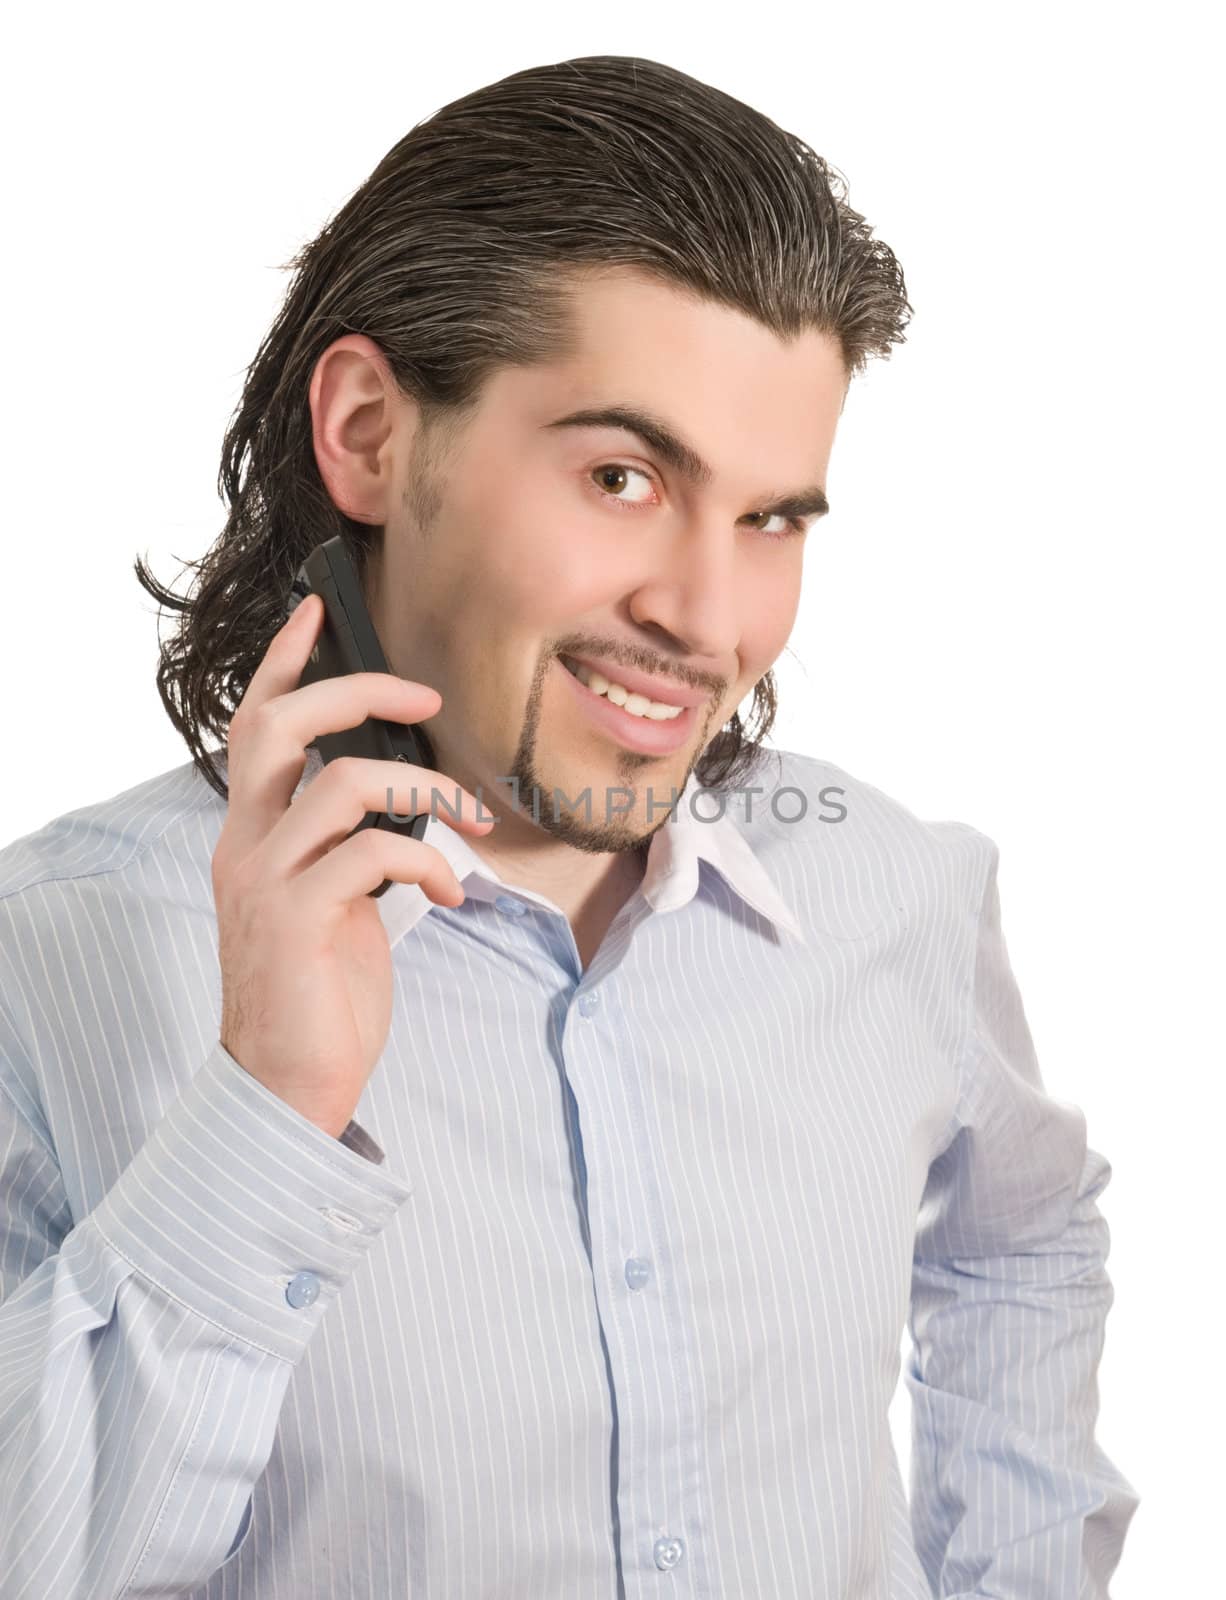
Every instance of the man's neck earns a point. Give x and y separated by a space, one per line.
591 917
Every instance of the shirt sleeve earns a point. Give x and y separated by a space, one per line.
146 1351
1011 1495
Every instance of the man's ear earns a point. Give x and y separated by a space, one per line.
361 427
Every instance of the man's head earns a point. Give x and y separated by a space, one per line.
530 536
597 232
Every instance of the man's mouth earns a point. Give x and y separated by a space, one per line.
634 705
629 724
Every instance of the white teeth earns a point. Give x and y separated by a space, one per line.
636 704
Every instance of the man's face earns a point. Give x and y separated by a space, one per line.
530 542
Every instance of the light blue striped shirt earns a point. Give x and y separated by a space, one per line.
604 1293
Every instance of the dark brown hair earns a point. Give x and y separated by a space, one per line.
456 256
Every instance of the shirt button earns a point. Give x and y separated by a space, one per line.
508 904
588 1003
302 1290
637 1272
667 1553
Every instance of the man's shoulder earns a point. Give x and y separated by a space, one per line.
810 797
139 833
848 838
106 920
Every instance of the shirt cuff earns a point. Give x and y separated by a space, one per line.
234 1194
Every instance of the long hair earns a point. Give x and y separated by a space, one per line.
455 258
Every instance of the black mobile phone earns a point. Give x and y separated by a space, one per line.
348 643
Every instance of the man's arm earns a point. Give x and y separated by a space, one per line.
146 1349
1011 1497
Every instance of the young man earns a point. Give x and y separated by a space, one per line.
547 1226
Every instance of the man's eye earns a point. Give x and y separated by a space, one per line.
610 472
616 473
787 525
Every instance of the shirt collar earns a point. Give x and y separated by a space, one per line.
669 881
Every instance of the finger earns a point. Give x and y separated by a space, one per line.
268 749
330 808
279 717
261 778
281 666
326 890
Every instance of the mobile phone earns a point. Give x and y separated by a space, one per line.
348 643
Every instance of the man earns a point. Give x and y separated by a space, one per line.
713 1077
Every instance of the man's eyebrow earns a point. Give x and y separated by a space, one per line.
657 435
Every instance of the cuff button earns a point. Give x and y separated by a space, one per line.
302 1290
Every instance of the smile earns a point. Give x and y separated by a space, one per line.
656 735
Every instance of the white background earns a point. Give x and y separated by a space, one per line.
1010 614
